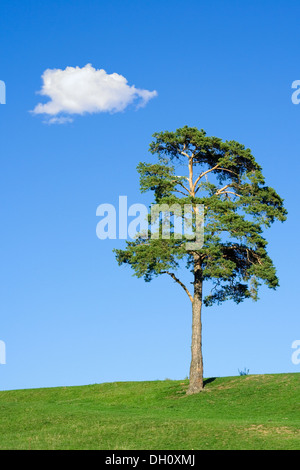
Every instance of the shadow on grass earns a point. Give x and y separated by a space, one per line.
208 381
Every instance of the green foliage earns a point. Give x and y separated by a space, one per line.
226 179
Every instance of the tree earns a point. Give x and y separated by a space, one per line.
226 180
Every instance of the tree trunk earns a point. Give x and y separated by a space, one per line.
196 368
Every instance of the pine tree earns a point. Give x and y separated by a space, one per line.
225 179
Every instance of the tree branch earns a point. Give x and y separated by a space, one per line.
230 171
204 173
222 189
230 192
216 167
181 192
184 187
180 283
192 188
185 154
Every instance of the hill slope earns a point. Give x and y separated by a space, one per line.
247 412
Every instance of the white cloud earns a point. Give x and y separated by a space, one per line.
59 120
76 90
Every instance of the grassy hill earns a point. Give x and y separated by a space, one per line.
244 412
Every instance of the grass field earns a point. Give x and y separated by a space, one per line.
244 412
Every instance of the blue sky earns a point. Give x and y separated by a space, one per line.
69 314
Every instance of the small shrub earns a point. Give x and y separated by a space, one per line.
244 372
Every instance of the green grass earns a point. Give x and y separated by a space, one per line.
244 412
